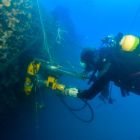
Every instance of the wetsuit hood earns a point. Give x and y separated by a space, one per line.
89 58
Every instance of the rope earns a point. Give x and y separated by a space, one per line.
46 46
35 98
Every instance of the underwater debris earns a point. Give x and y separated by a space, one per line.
6 3
17 32
60 35
16 26
1 6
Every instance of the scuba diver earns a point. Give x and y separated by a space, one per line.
117 61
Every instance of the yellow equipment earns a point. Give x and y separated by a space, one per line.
28 86
32 69
129 43
53 84
31 79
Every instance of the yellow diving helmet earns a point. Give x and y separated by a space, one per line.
129 43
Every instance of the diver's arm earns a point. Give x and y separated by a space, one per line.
94 89
102 79
104 70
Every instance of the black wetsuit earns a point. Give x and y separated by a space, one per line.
124 71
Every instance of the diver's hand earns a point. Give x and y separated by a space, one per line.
71 92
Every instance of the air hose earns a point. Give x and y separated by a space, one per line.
74 111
